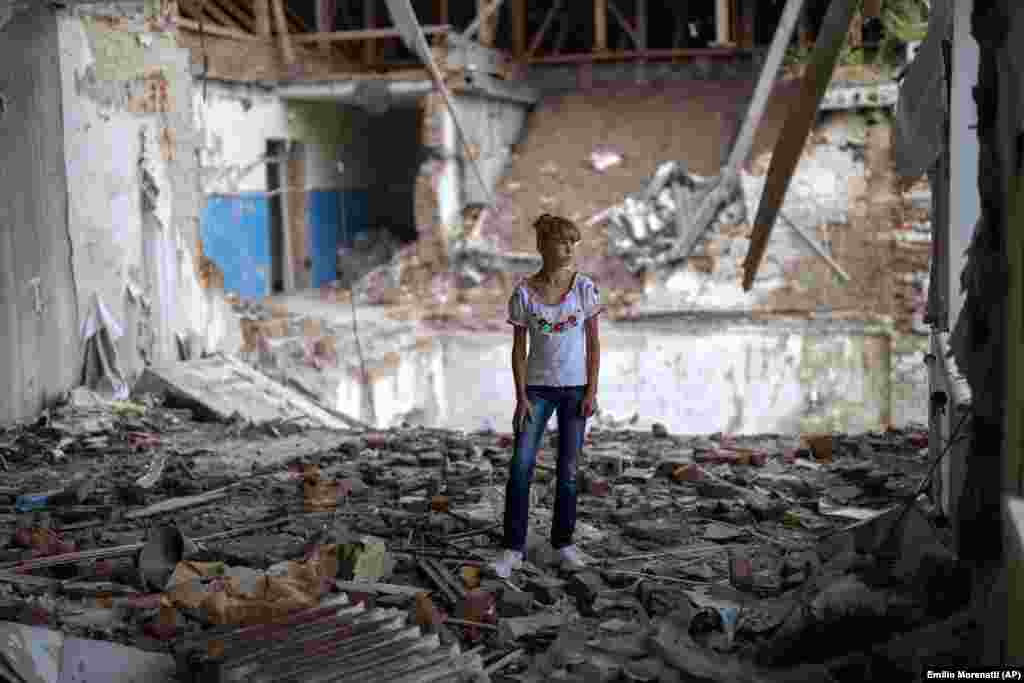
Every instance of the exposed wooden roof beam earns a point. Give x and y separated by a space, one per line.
282 30
214 11
217 30
240 13
795 131
362 34
261 10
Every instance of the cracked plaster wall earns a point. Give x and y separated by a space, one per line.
492 126
133 189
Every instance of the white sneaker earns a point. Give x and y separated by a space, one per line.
509 560
572 560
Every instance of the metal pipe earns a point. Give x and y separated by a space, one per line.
343 91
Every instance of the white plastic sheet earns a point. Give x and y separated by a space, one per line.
102 371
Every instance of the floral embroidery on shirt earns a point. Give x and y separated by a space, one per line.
549 327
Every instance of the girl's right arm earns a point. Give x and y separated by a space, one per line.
519 361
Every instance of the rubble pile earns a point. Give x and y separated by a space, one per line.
652 222
276 552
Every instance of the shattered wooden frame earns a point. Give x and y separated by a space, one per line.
271 23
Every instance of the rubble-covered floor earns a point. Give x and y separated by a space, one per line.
713 558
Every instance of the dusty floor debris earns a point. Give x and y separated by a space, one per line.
725 558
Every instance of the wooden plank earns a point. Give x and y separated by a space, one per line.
261 9
443 18
485 15
215 30
724 189
542 31
362 34
282 29
796 129
213 10
518 28
296 197
489 22
369 21
242 15
763 90
600 25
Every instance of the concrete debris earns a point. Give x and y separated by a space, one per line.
645 225
363 554
225 388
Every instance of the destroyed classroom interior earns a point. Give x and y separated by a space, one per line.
255 266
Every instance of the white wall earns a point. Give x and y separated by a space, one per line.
234 124
126 96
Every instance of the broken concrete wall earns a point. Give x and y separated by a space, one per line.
349 171
133 189
492 127
39 354
694 376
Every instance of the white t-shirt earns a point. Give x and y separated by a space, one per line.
558 350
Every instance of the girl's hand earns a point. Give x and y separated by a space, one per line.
524 412
588 406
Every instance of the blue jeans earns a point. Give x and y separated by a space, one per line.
567 401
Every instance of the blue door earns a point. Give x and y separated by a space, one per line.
236 236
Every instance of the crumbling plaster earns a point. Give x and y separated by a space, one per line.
132 187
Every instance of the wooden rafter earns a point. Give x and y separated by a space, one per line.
795 131
213 10
283 32
600 25
261 11
518 28
363 34
242 15
216 30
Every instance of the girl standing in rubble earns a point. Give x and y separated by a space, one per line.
557 310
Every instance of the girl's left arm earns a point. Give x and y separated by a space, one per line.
593 355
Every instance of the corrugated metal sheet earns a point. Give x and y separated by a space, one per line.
335 642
